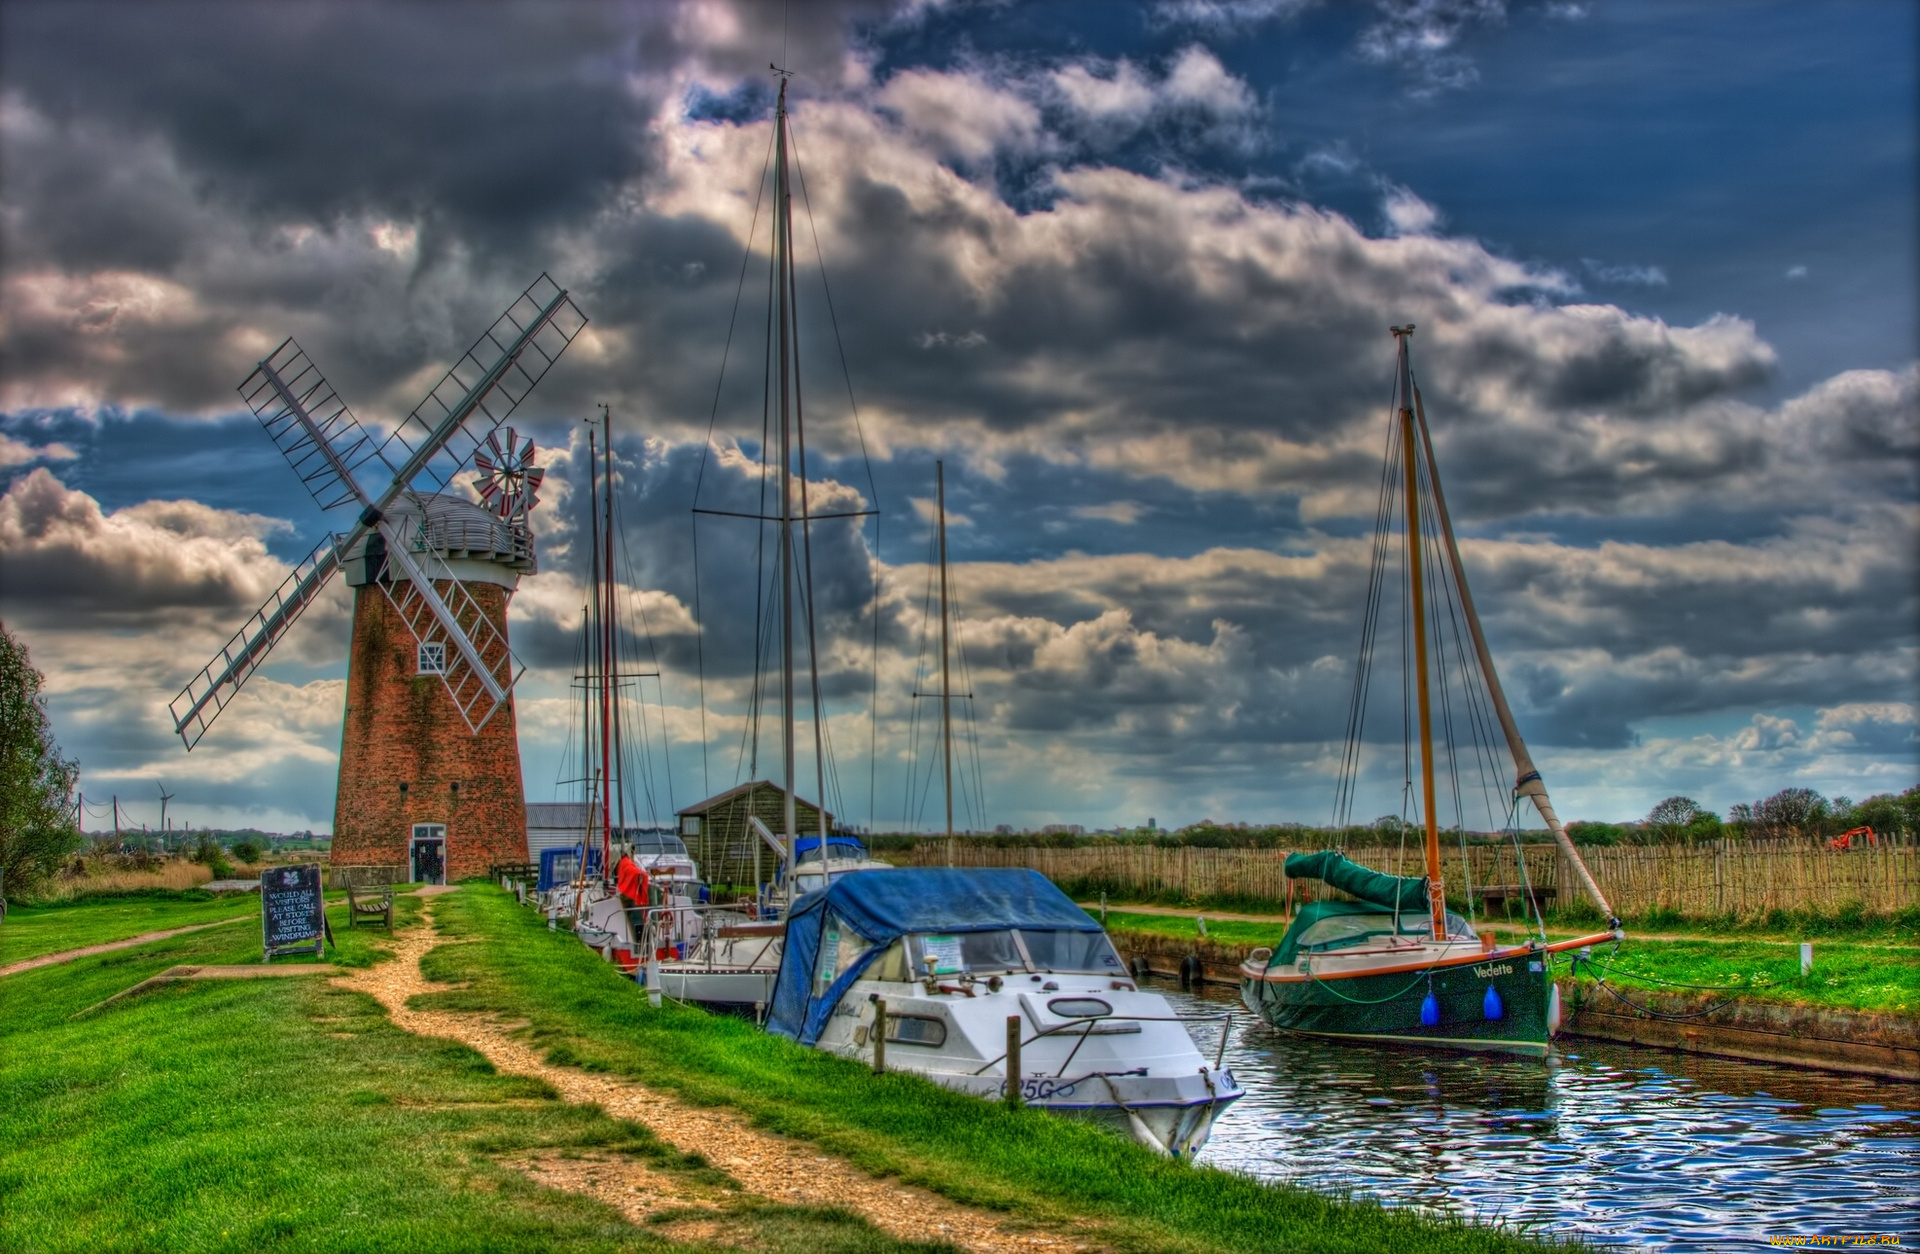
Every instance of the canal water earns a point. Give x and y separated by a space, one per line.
1612 1144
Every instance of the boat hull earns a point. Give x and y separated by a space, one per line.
734 992
1386 1007
1171 1115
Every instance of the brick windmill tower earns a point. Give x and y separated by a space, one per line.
430 757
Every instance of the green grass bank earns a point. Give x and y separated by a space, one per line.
34 929
1056 1171
292 1115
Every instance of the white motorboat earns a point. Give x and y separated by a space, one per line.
844 854
965 964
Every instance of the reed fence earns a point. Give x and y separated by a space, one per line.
1725 877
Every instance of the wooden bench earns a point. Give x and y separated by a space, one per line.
380 908
1492 895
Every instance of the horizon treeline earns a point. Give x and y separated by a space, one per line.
1791 813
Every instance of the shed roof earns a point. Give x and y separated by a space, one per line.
718 799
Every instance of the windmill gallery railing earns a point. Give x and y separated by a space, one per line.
1724 877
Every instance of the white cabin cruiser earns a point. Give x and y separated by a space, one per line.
954 954
845 854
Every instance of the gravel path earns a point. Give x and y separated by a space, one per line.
772 1166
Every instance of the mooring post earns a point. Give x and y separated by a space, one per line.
1806 957
879 1035
1013 1060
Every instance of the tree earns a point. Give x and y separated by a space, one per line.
1791 810
1671 818
38 818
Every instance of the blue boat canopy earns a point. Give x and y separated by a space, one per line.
562 865
869 910
837 847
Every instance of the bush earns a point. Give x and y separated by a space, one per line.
246 851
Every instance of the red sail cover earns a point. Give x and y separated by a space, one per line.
631 881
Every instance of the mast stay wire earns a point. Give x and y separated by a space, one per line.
763 596
579 672
626 567
866 460
1348 779
706 449
910 813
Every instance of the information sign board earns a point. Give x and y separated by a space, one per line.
293 911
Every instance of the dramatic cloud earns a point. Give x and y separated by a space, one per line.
1159 386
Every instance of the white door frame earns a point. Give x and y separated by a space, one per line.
427 832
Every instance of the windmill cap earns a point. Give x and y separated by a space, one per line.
476 544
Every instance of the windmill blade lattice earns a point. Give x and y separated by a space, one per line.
318 434
484 387
312 426
508 481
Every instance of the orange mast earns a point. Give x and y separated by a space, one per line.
1436 891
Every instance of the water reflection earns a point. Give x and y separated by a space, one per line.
1611 1143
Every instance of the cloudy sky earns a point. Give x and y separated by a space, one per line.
1126 268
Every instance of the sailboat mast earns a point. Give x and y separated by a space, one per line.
599 653
1527 781
616 780
946 669
783 264
1436 891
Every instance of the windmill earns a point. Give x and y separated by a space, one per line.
431 574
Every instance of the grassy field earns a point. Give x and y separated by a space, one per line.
289 1115
1844 977
1220 931
32 930
1054 1170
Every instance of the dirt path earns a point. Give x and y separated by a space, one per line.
53 960
774 1167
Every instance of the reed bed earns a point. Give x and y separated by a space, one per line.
1723 878
172 874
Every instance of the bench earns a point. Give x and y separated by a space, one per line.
1501 895
380 908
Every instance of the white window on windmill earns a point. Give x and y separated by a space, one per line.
433 658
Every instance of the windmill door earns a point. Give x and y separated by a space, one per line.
429 853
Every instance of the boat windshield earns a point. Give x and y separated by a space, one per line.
995 953
1071 952
969 953
654 844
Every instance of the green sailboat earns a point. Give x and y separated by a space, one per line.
1389 962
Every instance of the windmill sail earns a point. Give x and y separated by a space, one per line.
207 693
326 446
312 427
433 444
435 605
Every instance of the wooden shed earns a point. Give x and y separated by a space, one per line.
727 850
